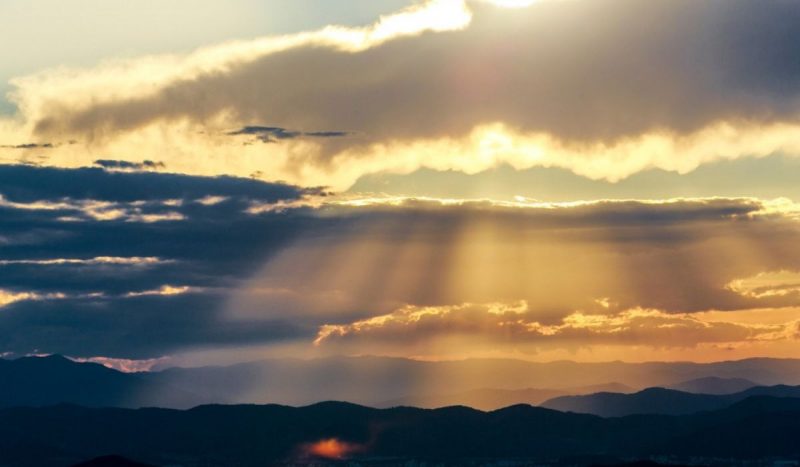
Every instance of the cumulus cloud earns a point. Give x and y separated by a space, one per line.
604 88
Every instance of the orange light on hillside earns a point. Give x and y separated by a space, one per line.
331 448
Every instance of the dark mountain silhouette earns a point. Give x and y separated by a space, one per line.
713 385
639 464
757 428
111 461
40 381
660 401
493 399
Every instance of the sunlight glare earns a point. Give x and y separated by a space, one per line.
512 3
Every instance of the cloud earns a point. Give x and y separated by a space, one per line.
83 210
28 146
125 165
27 184
131 261
251 263
767 284
605 89
378 255
125 365
513 326
78 288
267 134
164 290
8 297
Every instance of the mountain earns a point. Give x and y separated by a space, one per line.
372 381
493 399
713 385
481 399
376 381
111 461
660 401
328 433
41 381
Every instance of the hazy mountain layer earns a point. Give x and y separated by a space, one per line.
375 381
660 401
372 381
713 385
493 399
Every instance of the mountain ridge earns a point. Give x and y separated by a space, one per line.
373 381
250 435
661 401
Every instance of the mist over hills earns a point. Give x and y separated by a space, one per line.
493 399
756 428
42 381
660 401
712 385
372 381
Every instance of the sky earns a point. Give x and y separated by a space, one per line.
184 182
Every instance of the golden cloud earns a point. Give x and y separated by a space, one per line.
443 84
767 284
513 327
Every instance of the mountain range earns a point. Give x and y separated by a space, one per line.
660 401
329 433
493 399
42 381
712 385
371 381
58 412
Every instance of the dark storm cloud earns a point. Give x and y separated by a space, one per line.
96 285
135 327
24 183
